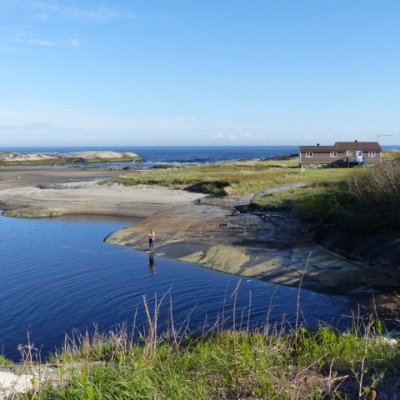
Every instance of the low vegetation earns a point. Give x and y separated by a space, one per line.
376 196
365 201
269 363
237 178
356 199
392 155
4 361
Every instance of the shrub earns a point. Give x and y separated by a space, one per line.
377 194
214 188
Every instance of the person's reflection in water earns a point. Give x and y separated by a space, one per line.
152 265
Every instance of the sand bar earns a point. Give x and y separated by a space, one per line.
41 192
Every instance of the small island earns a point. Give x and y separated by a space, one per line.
26 159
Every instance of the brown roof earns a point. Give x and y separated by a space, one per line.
341 147
365 146
318 149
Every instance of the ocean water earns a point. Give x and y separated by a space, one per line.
59 275
183 154
178 154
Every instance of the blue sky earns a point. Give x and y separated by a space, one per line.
168 72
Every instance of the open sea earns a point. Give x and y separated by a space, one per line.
175 155
181 154
58 276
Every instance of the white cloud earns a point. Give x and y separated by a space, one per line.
242 138
41 42
27 31
54 9
49 117
24 22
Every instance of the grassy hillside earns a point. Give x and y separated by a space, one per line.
237 178
356 199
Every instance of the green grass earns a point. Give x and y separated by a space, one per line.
360 200
235 178
391 155
4 361
326 198
303 364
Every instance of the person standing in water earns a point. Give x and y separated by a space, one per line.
152 237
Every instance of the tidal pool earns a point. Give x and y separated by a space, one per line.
58 275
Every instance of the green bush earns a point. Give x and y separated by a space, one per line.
377 195
214 188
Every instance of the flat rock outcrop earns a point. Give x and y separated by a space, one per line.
13 158
273 247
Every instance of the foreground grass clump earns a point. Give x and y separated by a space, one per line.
303 364
4 361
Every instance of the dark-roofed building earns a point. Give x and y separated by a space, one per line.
341 154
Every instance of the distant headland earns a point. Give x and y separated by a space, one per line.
16 158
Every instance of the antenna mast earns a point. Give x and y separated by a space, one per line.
380 135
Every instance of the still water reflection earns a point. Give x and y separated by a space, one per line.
59 275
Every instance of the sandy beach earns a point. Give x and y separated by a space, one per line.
41 192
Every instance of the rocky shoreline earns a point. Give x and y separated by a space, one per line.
275 247
16 158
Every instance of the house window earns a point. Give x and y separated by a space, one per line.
372 154
309 154
333 153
